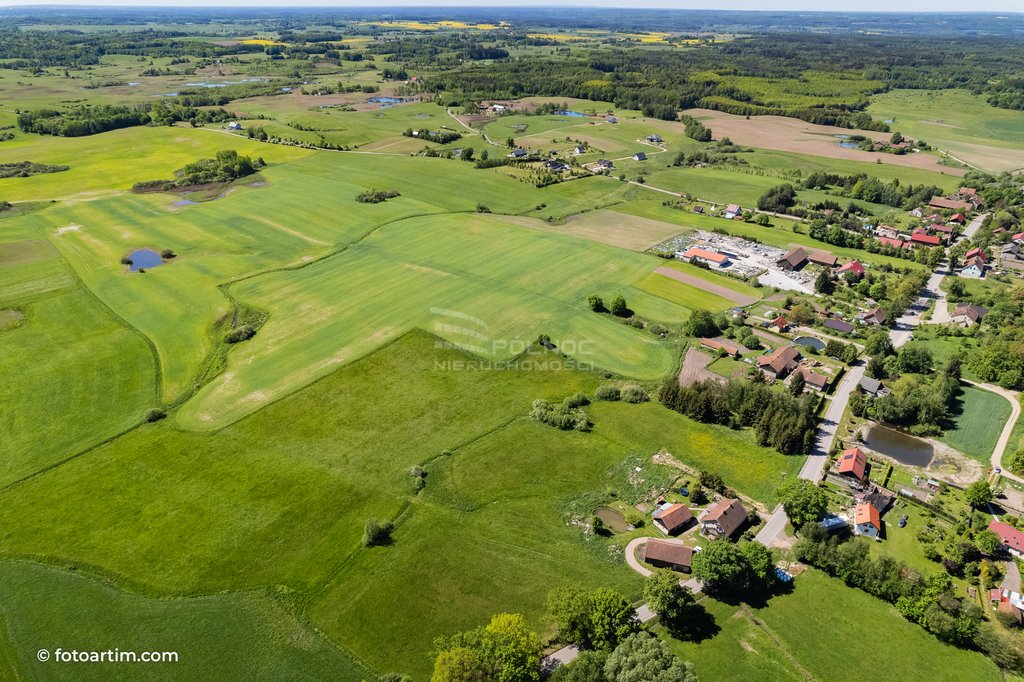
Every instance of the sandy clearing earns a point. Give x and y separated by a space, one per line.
695 369
711 288
793 135
67 228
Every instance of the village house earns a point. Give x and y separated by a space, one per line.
577 150
793 260
713 257
640 156
234 125
853 462
854 266
779 324
894 243
669 555
824 259
957 218
967 315
867 521
654 139
732 211
1008 601
612 119
879 498
1011 539
816 382
874 316
780 362
605 164
726 347
919 236
873 387
886 231
1010 250
722 519
517 154
672 519
974 267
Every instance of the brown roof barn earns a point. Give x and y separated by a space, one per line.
779 362
672 518
668 555
792 260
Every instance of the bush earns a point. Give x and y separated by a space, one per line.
241 333
154 414
125 260
376 532
167 254
376 196
633 393
561 417
576 400
609 392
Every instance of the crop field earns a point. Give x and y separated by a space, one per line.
978 424
957 122
795 636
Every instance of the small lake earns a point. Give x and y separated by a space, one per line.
574 114
810 342
384 100
612 519
185 202
849 145
144 258
900 446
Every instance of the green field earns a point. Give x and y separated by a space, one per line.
958 122
237 636
978 424
819 631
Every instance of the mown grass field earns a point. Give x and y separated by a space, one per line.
821 631
235 636
683 294
978 424
73 373
719 280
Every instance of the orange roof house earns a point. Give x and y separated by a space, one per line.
853 462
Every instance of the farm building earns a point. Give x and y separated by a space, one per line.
605 164
923 239
867 521
824 259
654 139
672 518
968 315
727 347
517 154
950 204
780 362
668 555
719 259
722 519
733 210
780 324
234 125
793 260
1011 539
853 462
640 156
873 387
893 242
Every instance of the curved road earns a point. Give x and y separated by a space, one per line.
1004 437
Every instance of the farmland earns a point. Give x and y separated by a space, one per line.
300 410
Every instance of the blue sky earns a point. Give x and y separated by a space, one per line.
799 5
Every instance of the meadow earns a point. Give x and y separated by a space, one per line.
978 423
958 122
819 631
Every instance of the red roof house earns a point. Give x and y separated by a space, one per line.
668 555
853 266
780 323
925 239
975 253
704 254
671 519
853 462
1011 538
867 521
895 243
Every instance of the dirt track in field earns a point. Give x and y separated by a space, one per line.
793 135
695 369
728 294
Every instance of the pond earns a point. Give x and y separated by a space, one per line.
902 447
384 100
185 202
810 342
574 114
612 519
144 258
849 145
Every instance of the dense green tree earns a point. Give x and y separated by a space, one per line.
979 494
504 650
667 597
644 658
803 501
594 620
618 306
701 324
797 384
459 664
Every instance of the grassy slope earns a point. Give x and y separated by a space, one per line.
73 374
978 424
226 637
827 628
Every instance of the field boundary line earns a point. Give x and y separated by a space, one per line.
761 625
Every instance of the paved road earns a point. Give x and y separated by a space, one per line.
1011 580
972 229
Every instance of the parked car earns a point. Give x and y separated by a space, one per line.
903 521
